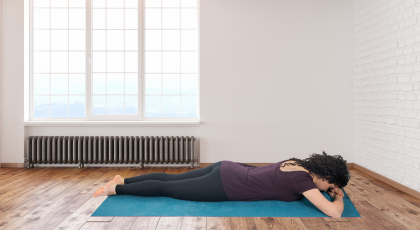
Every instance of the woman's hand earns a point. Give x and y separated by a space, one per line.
335 191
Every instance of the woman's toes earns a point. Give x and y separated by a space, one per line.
98 191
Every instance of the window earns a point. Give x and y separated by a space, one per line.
114 59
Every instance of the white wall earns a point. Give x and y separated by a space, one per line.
276 81
0 84
387 89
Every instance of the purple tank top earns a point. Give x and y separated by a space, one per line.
249 183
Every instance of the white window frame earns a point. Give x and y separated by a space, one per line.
89 116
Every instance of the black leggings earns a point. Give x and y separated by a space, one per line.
198 185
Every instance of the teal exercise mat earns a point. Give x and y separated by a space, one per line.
128 205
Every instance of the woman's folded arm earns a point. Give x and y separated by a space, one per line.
333 209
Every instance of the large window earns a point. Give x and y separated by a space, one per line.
114 59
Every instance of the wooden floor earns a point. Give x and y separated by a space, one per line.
61 198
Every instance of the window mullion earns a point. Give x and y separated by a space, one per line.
88 80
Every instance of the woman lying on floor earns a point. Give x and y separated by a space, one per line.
287 180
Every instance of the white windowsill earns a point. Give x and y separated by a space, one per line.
111 123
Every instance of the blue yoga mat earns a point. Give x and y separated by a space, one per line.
128 205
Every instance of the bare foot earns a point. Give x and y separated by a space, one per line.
118 179
107 190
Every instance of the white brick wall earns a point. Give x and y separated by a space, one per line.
387 88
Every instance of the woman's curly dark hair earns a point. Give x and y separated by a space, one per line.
332 168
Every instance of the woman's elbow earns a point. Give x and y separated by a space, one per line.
336 214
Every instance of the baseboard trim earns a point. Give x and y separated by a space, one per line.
12 165
388 181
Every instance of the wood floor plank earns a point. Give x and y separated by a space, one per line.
94 226
340 225
358 175
289 223
194 223
373 218
23 179
34 188
19 200
121 222
6 170
145 223
41 206
315 223
169 222
81 215
12 173
268 223
101 218
219 223
242 223
394 207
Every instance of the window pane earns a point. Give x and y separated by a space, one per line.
115 61
115 40
189 18
131 104
131 3
131 40
41 18
115 19
131 19
99 39
77 18
153 19
131 62
98 3
171 62
189 40
41 40
77 40
153 3
77 106
189 84
77 84
77 62
153 106
41 62
170 106
98 62
59 40
115 3
153 84
59 19
77 3
59 106
41 84
115 83
41 3
41 106
153 40
131 83
98 18
59 3
188 106
170 18
99 104
59 84
188 3
170 3
171 40
59 62
170 84
115 105
189 62
99 81
153 62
